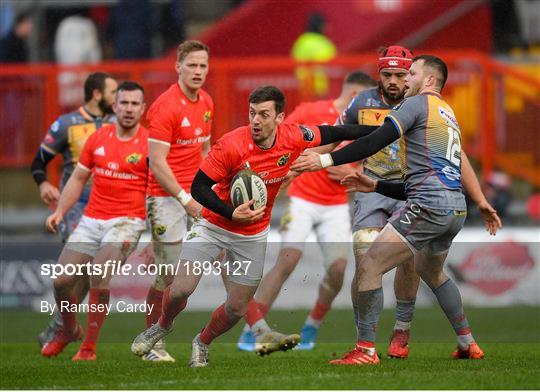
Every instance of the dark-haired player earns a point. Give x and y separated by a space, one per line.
116 158
67 136
268 146
435 172
318 203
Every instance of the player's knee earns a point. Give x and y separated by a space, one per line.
162 282
362 240
63 282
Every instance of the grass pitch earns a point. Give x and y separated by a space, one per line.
509 336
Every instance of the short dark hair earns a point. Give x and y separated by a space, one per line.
189 46
268 93
95 81
359 77
130 85
437 64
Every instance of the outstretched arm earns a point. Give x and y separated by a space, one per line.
376 139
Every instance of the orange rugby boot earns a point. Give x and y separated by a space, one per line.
60 341
358 356
399 344
473 352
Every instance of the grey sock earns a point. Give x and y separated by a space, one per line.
405 310
370 304
450 300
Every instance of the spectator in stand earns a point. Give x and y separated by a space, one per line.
13 47
132 24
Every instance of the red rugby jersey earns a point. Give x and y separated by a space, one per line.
183 125
230 155
316 187
120 172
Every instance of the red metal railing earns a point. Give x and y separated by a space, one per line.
479 89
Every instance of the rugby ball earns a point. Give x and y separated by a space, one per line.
246 185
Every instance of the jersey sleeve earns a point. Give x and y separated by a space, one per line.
160 125
407 113
350 115
86 159
55 140
307 136
218 164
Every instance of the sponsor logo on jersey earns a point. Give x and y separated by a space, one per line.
448 117
185 123
282 161
307 133
160 229
192 234
100 151
263 174
133 158
113 165
451 173
207 116
377 116
55 126
198 131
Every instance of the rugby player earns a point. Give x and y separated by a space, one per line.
241 231
116 158
317 203
371 211
179 124
434 211
66 136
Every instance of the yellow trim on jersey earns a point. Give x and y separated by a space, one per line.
48 149
396 123
372 116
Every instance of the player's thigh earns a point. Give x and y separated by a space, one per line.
87 236
386 252
334 233
371 212
427 229
244 260
429 267
123 234
200 255
168 219
297 223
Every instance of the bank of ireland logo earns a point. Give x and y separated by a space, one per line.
282 161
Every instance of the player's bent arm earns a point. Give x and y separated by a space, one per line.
470 181
73 189
39 165
201 190
157 155
364 146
